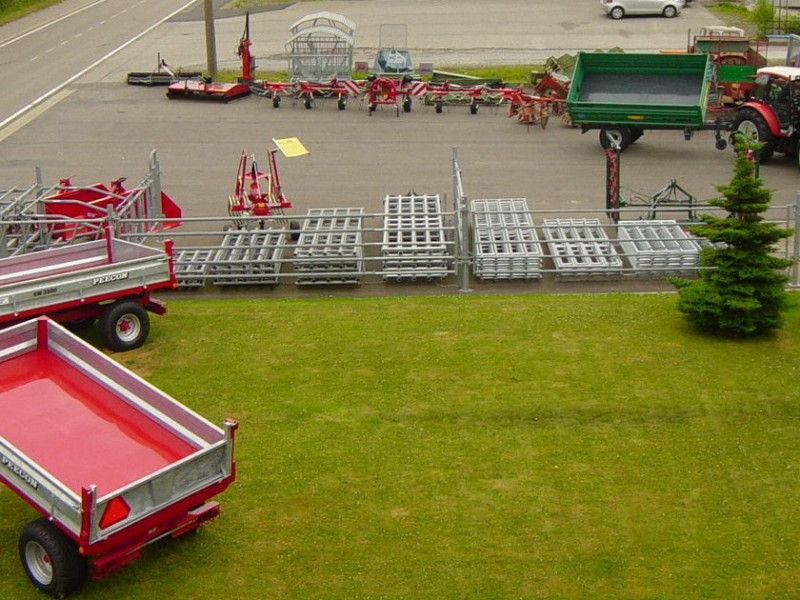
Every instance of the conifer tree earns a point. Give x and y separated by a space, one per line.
741 289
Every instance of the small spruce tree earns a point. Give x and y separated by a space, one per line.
741 291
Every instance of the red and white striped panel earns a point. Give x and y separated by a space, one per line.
351 87
419 88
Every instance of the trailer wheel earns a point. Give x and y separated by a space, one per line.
751 126
621 136
124 325
51 559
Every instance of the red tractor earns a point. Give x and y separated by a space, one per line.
771 113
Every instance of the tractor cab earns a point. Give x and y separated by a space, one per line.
771 112
779 89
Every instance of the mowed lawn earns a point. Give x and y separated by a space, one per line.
533 446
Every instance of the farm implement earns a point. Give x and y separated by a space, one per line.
259 194
110 462
624 94
201 87
37 217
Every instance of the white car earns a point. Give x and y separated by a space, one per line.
616 9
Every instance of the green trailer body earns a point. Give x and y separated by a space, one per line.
646 91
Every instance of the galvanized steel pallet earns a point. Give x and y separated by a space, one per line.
191 266
248 257
414 244
244 257
329 247
505 243
658 247
581 248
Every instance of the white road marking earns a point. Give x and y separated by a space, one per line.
41 99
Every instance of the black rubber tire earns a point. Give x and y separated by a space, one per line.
51 559
341 104
407 104
670 12
124 325
636 133
473 108
622 135
308 103
438 105
617 13
276 102
749 124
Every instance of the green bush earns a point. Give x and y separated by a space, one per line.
742 290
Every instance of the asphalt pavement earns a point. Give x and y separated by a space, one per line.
101 128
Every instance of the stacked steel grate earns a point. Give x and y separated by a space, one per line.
659 247
244 257
581 248
504 240
248 257
192 265
414 241
330 249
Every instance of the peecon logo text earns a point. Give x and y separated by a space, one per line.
109 278
18 471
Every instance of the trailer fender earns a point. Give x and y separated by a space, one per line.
766 113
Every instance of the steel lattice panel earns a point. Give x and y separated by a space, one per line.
248 257
414 243
505 243
192 265
581 248
330 248
658 246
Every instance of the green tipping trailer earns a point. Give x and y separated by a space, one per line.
623 94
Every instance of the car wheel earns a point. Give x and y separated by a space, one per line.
617 13
670 11
751 126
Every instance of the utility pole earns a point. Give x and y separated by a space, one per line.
211 39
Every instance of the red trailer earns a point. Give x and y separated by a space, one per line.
110 280
111 462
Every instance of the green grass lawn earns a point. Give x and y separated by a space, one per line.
535 446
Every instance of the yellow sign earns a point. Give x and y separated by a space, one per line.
290 147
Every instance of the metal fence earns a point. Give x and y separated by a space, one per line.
416 238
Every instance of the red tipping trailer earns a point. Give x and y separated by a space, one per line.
110 280
111 462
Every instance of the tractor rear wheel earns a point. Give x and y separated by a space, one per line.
751 126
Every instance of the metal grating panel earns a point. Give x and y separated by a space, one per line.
658 246
329 248
505 243
581 248
414 243
248 257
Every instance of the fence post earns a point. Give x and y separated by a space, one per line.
462 226
795 272
154 209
